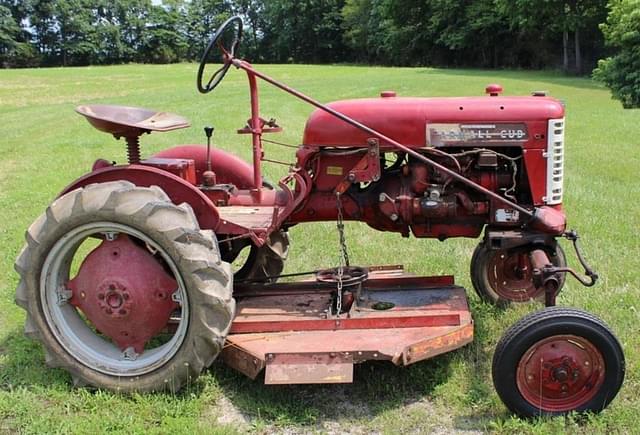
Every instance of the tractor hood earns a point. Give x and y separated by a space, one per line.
414 121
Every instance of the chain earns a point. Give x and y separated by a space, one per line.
344 254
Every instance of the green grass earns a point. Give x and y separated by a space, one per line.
44 145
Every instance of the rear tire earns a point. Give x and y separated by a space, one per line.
556 361
205 286
493 278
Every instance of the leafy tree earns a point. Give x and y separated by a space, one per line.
165 40
303 31
76 34
45 36
366 29
621 72
252 13
548 20
468 33
487 37
130 17
480 33
202 18
9 31
15 48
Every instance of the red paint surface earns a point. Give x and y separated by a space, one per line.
124 292
405 119
228 167
176 188
337 324
560 373
536 166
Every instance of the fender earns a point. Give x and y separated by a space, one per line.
229 168
175 187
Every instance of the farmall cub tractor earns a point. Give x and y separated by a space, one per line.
126 277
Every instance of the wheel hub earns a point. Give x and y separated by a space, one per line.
114 299
125 292
560 373
510 276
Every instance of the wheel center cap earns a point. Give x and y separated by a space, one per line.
560 374
114 300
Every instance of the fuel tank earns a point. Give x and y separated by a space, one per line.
420 122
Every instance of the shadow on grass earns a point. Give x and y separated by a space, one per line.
22 364
459 381
377 387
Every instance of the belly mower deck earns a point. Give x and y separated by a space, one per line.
289 330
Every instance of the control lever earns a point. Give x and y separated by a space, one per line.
209 177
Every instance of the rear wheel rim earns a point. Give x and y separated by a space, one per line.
560 373
73 332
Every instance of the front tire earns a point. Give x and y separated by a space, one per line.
172 235
556 361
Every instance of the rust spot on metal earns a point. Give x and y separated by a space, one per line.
290 330
242 360
313 368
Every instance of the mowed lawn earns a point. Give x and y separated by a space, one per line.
44 145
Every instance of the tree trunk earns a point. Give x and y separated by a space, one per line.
495 56
565 51
63 46
254 29
578 54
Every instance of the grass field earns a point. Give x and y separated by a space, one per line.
44 145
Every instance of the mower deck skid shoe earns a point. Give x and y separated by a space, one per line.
289 329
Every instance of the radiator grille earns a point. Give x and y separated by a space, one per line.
555 161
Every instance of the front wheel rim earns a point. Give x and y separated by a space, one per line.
560 373
74 334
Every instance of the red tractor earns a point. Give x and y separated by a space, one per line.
126 277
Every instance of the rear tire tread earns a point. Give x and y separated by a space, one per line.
195 253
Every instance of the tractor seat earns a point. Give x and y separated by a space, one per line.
123 121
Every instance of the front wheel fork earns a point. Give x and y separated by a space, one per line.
546 275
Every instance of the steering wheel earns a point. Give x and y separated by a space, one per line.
235 25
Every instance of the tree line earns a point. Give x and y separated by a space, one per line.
483 33
565 34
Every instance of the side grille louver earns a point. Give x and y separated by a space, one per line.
555 161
